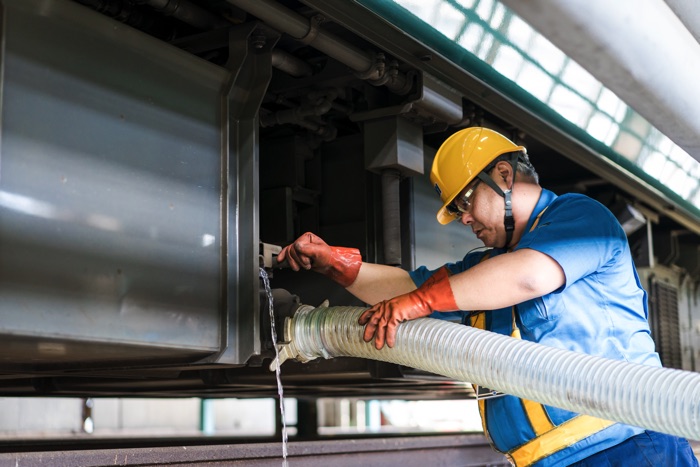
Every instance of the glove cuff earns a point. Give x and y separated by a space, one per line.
344 265
437 291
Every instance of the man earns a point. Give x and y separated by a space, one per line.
558 271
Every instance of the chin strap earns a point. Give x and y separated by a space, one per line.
508 220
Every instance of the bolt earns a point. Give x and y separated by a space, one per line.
258 42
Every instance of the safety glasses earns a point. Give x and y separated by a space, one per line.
462 203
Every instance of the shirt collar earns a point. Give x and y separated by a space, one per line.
546 198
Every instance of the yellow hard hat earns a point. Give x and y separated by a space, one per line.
460 159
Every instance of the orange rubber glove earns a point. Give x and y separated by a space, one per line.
311 252
381 320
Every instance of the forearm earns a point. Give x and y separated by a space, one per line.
498 282
506 280
377 282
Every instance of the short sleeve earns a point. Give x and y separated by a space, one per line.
579 233
471 259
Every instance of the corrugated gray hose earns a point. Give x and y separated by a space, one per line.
660 399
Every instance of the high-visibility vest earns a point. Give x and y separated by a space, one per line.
540 437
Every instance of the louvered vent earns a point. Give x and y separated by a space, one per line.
665 329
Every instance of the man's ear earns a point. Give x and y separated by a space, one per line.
505 172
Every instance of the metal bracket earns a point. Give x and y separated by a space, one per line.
268 255
314 28
376 71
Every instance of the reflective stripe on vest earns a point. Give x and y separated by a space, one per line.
549 438
568 433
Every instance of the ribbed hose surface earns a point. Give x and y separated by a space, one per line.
660 399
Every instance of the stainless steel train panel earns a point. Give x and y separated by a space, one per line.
112 196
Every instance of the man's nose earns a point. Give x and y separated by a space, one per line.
466 218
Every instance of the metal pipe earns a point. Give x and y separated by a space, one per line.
661 399
318 103
285 20
441 101
290 64
299 27
367 66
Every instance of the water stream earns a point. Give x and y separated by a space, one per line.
280 391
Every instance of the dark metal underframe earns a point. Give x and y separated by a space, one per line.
455 449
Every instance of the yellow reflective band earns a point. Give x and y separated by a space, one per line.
537 219
515 331
479 321
535 412
539 420
562 436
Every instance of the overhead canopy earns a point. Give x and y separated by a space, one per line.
644 54
615 78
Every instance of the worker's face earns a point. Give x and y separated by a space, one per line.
485 214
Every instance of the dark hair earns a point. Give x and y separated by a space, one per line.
524 166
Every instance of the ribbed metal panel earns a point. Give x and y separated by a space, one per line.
663 310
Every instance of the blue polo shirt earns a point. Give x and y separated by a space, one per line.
602 307
600 310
